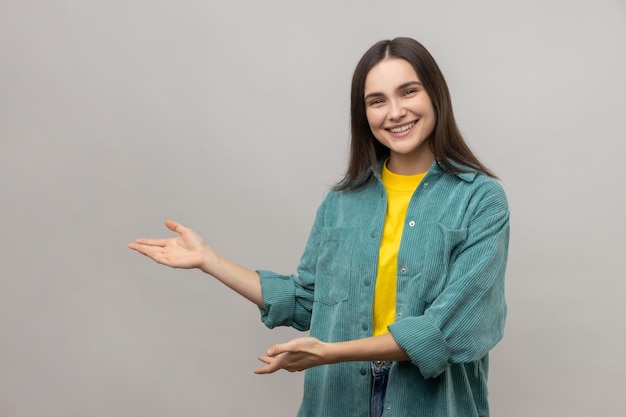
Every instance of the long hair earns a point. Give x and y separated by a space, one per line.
445 141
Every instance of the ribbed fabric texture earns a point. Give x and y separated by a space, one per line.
450 306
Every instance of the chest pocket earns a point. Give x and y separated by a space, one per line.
442 249
332 282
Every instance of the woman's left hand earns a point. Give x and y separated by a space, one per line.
296 355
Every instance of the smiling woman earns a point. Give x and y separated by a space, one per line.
401 283
400 115
444 141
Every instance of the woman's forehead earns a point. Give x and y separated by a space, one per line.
389 74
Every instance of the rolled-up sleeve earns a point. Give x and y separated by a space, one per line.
467 318
288 299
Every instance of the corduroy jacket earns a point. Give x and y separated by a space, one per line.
450 302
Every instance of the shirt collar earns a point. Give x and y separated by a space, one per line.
437 168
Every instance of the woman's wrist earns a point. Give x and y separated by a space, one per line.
210 261
330 353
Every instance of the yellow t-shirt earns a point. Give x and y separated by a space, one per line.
400 189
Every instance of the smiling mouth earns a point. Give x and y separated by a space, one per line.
401 129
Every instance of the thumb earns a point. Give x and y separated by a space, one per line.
276 350
172 225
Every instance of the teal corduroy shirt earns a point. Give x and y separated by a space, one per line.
450 295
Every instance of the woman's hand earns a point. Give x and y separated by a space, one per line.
295 355
188 250
307 352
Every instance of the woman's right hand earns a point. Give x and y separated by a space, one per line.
188 250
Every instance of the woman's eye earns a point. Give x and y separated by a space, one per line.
410 91
375 102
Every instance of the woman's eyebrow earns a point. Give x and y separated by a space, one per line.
409 84
400 87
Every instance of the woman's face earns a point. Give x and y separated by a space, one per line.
400 115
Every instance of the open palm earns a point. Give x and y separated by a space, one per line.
188 250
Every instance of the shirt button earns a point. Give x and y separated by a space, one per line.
403 270
425 185
363 371
364 326
400 314
367 282
373 234
411 223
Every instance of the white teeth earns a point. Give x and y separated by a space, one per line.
402 128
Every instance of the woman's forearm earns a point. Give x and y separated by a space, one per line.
383 347
240 279
306 352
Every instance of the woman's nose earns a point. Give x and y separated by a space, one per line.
396 110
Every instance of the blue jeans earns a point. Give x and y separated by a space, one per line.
380 375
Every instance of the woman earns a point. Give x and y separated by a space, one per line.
401 283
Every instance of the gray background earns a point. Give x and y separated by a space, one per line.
232 117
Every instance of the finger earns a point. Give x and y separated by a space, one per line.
152 242
270 368
277 350
143 249
138 247
266 359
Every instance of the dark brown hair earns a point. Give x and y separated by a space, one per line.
445 141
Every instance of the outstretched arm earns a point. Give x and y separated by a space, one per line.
189 250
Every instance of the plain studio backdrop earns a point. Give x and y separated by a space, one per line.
232 118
